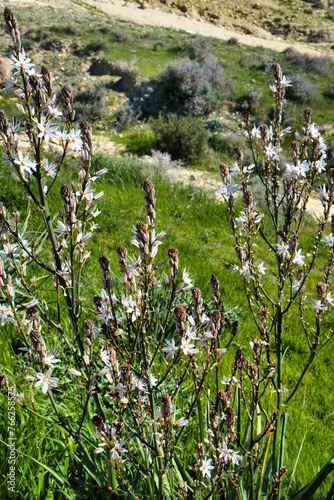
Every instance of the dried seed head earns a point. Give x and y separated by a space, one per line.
150 200
173 261
3 381
67 197
126 372
230 422
246 119
277 72
264 133
142 238
241 254
67 95
88 326
197 301
37 343
32 313
12 27
104 263
275 414
215 322
47 78
248 199
321 290
4 125
295 149
180 318
214 419
215 286
264 316
238 154
97 421
98 302
307 112
293 243
200 451
239 360
224 399
234 328
86 136
122 256
166 405
225 173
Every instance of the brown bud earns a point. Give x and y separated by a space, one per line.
321 290
4 125
264 315
3 381
180 318
215 286
88 326
277 73
200 451
224 399
238 154
173 261
149 194
307 116
97 421
197 301
293 243
215 322
225 173
234 328
12 27
246 119
126 372
98 302
230 422
295 149
214 419
241 254
166 405
47 77
248 199
264 133
275 414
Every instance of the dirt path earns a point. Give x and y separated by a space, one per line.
154 17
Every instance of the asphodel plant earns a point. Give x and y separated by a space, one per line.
139 378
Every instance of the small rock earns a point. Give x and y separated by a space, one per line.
192 177
143 5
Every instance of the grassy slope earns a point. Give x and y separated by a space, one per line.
198 226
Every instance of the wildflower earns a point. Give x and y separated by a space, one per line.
182 422
323 193
47 131
290 172
22 63
54 112
302 168
298 259
117 451
225 453
272 151
170 348
139 384
46 380
228 190
285 82
256 132
50 358
296 284
186 277
75 142
75 372
329 299
24 163
329 240
261 268
152 380
62 228
235 457
50 170
206 467
318 305
283 250
187 347
10 85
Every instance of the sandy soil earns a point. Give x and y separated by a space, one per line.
153 16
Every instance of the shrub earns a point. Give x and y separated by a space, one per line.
186 85
183 137
318 65
93 47
126 115
91 103
215 124
301 90
197 49
250 101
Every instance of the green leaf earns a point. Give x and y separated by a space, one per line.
297 460
308 490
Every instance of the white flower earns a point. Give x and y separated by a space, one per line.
283 250
323 193
139 384
10 85
6 314
186 277
87 193
54 112
118 450
49 169
22 62
298 259
228 190
75 142
329 240
152 380
318 305
225 453
329 299
46 380
50 358
272 151
256 132
235 457
285 82
235 170
302 168
187 347
170 348
296 284
206 467
226 380
290 172
47 131
62 228
24 163
182 422
261 268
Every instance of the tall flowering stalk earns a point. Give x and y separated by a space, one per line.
154 410
287 191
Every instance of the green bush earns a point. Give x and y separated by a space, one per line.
183 137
